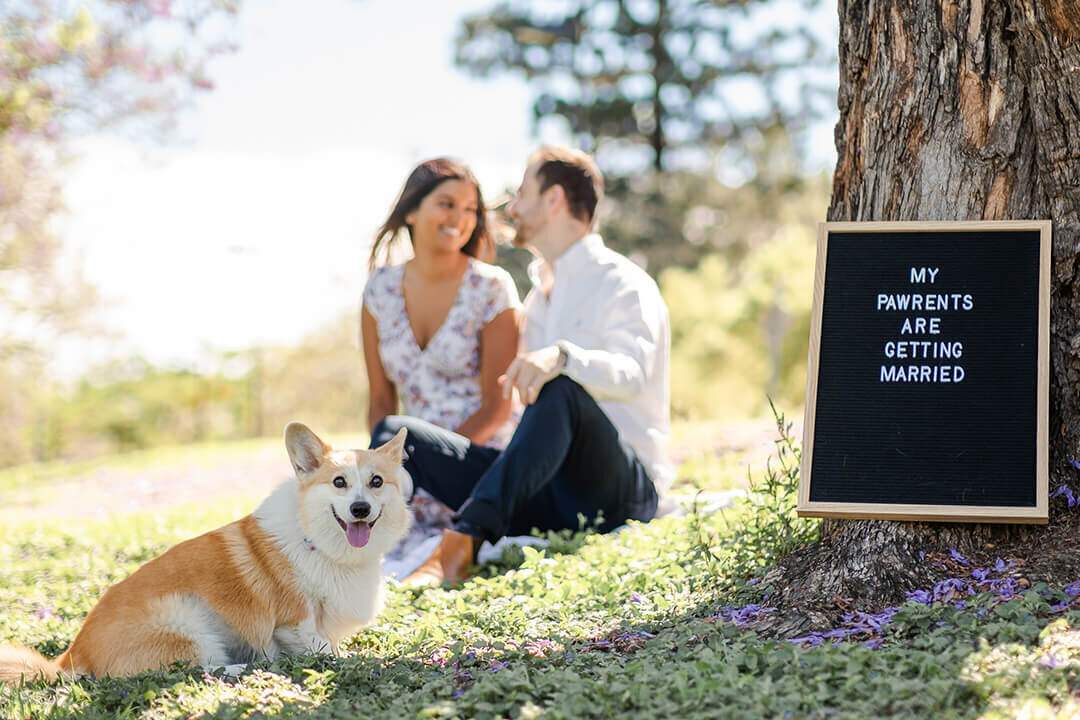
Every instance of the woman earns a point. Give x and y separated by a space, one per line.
440 330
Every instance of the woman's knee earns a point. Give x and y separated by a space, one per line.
385 430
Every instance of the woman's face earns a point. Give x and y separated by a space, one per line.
446 217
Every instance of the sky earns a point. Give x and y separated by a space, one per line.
253 225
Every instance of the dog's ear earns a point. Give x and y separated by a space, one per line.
306 450
394 448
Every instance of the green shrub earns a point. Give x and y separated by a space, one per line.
764 526
739 334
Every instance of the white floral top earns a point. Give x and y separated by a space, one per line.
441 383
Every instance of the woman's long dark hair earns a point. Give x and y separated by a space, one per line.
421 182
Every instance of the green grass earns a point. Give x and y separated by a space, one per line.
635 624
35 475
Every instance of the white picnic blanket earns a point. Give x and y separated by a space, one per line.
427 530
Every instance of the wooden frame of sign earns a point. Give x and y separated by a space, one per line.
928 372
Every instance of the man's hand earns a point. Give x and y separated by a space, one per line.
531 371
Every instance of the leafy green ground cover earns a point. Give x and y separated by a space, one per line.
655 621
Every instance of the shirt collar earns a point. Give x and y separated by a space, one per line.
565 264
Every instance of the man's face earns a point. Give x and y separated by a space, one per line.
526 208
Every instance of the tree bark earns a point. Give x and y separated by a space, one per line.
950 110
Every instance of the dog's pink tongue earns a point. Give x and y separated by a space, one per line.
358 533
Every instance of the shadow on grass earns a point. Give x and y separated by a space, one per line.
692 663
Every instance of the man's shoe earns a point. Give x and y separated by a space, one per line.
450 561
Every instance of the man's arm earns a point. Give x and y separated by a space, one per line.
617 369
531 371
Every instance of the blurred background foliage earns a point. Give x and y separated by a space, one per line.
131 404
739 331
696 111
693 108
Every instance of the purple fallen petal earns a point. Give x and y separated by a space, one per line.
814 639
920 596
1048 661
958 557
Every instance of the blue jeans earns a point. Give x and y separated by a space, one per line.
564 460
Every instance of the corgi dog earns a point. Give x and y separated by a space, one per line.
298 575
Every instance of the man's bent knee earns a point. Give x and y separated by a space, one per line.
562 388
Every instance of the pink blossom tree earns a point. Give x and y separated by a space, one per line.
67 70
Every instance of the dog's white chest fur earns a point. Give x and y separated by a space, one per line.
343 587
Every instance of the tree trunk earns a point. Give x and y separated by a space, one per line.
662 71
950 110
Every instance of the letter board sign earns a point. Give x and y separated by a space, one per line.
928 372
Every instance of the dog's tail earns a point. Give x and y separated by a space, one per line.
19 664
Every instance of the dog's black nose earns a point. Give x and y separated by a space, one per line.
360 509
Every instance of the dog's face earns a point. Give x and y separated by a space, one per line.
352 502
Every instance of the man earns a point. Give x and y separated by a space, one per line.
593 377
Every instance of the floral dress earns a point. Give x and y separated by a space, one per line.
441 383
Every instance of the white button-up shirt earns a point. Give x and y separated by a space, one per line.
614 323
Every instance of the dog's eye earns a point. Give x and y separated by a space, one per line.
376 481
339 482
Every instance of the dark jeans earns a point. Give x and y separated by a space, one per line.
564 460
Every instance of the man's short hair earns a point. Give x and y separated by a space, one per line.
577 174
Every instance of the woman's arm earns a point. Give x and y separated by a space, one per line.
498 346
382 395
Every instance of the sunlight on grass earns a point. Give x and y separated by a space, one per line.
1029 681
170 525
21 476
198 454
711 471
